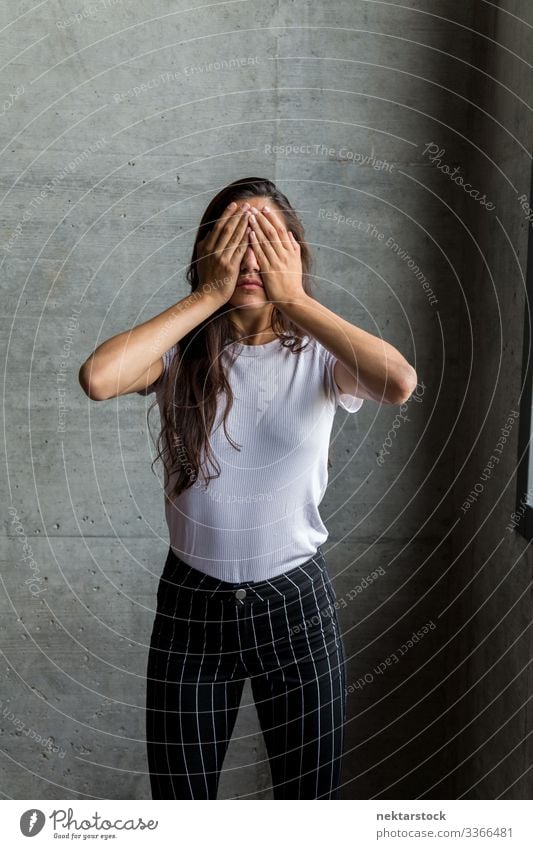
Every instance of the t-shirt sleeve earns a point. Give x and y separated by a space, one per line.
350 403
167 357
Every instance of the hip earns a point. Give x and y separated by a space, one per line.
294 612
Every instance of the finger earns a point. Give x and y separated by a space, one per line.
265 234
228 233
294 241
275 219
257 247
260 239
278 223
239 240
219 223
226 236
229 215
276 236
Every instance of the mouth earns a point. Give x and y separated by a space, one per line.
250 282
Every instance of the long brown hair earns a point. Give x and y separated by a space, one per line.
196 374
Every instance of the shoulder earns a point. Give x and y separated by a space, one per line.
328 360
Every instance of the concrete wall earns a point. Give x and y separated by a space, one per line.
338 103
488 714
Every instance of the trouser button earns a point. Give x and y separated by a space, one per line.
240 593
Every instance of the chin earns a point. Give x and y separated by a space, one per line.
251 299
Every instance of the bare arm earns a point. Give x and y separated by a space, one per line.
133 360
368 367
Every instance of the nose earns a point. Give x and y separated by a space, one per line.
249 261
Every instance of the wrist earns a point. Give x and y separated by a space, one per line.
212 293
295 305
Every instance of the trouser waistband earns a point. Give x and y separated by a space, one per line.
180 574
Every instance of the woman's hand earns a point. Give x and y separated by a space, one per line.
278 255
220 253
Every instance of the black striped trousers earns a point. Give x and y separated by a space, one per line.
208 637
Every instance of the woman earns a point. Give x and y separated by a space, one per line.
248 371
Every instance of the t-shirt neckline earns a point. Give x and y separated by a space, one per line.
254 350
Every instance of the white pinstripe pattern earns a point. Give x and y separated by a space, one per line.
261 638
165 709
330 684
314 664
217 766
198 685
180 713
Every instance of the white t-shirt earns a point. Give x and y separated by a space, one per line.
260 517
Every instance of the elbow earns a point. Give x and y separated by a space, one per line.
89 383
403 387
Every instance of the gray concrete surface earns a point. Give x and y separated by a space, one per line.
489 680
109 185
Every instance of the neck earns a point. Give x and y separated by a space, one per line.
254 330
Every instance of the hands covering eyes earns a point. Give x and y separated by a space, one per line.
220 253
278 255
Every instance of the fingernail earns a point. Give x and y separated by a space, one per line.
232 205
246 206
266 209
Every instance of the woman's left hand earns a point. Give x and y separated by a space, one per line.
278 254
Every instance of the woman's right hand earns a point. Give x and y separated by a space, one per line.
220 253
